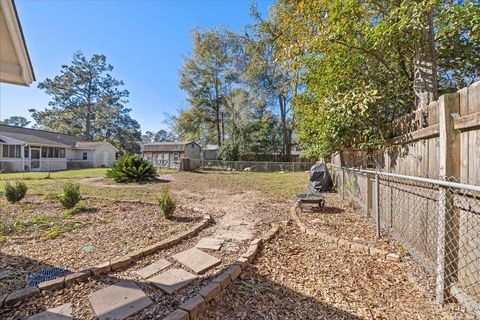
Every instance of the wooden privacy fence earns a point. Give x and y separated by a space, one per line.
447 131
438 225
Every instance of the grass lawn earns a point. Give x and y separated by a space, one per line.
93 183
67 174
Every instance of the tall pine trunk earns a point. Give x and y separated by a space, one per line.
217 123
285 130
425 65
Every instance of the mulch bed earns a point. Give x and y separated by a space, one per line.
40 236
341 220
163 303
298 276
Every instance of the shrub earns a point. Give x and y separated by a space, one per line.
167 204
73 211
132 169
17 192
71 195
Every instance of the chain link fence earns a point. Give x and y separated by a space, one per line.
251 166
436 221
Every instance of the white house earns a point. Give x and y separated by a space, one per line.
25 149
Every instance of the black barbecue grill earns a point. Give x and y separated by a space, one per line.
320 181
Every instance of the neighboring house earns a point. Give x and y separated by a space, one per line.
168 154
210 152
99 154
15 65
25 149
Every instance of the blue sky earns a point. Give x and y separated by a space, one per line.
143 40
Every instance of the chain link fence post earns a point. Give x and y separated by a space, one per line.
440 269
377 204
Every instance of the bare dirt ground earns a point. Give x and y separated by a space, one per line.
295 277
237 202
41 235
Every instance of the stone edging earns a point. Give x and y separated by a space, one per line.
106 267
215 290
341 243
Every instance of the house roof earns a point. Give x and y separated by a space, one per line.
15 64
211 147
92 145
36 136
167 146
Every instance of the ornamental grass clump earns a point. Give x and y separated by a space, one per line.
132 169
71 195
15 192
166 203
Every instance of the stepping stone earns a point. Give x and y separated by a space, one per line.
197 260
118 301
172 280
210 243
63 312
235 233
153 268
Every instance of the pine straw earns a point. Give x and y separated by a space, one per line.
299 277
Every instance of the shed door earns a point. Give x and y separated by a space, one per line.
105 158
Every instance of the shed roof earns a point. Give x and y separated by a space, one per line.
167 146
211 147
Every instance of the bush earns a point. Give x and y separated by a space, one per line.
15 193
71 195
132 169
166 203
74 210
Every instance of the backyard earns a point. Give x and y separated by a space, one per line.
296 275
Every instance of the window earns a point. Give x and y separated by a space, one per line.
44 152
176 156
56 152
26 153
50 152
62 153
84 156
12 151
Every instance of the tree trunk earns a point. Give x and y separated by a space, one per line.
285 130
88 123
425 65
217 123
223 129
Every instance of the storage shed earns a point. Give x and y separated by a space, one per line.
168 154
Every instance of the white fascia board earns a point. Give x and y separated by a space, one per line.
14 29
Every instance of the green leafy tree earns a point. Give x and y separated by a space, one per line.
16 121
159 136
364 63
265 76
208 76
87 101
